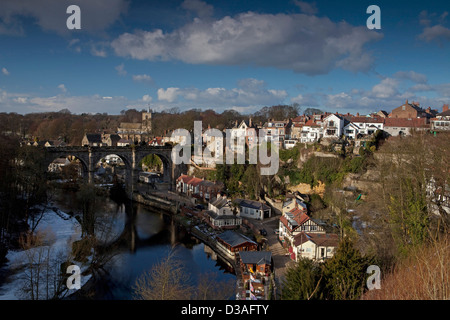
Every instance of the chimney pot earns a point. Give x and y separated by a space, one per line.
445 108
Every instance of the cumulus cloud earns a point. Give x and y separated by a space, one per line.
147 98
200 8
62 87
98 52
121 70
437 32
5 71
145 78
388 93
51 15
303 43
306 7
169 94
411 75
249 94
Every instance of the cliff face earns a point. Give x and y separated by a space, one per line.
363 182
305 188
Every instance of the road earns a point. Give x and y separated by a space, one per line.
280 260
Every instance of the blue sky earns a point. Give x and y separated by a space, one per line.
221 55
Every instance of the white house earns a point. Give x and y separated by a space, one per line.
314 246
292 202
276 131
253 209
294 222
220 214
368 125
442 120
57 164
311 131
333 126
289 144
351 130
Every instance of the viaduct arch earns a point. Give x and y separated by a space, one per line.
131 156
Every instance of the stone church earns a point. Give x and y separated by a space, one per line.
137 132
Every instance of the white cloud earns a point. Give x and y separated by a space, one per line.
21 100
62 87
142 78
306 7
200 8
436 32
249 93
169 95
411 75
303 43
387 88
98 52
121 70
5 71
147 98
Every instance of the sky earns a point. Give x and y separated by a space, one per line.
221 55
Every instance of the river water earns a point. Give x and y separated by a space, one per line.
154 235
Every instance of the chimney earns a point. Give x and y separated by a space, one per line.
250 122
357 114
445 108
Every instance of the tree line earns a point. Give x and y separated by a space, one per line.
70 128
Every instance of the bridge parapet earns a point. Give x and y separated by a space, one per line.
89 156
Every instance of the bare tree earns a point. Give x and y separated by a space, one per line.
210 288
166 280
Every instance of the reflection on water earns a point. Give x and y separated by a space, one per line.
139 237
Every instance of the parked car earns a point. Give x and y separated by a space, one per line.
263 232
276 231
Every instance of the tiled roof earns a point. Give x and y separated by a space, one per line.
444 114
233 238
367 119
256 257
130 125
404 122
252 204
320 239
219 202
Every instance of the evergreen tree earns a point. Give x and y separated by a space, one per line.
345 273
302 281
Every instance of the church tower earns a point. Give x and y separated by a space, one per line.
147 121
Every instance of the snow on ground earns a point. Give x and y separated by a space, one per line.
65 230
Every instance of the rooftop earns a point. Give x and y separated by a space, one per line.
233 238
256 257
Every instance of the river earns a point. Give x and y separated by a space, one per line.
154 235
